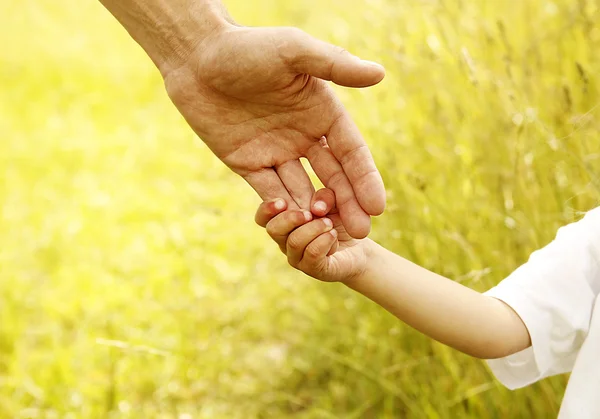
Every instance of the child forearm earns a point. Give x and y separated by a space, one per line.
444 310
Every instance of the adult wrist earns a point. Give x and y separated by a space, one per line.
182 37
170 31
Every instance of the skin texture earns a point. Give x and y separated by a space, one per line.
259 99
444 310
260 113
316 242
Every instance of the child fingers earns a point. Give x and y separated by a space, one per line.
300 238
322 202
282 225
316 252
269 209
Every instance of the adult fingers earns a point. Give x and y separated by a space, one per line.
349 148
268 186
296 181
355 220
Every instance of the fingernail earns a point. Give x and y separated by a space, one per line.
320 206
334 233
307 215
372 63
279 204
328 222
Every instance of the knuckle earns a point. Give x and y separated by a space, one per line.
313 252
289 45
271 230
355 155
337 179
293 243
290 217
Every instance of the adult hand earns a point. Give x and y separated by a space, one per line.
259 99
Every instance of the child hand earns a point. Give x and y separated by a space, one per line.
317 245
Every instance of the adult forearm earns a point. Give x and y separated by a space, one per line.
169 30
444 310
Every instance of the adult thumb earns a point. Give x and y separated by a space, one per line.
308 55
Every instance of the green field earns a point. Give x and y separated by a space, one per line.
134 284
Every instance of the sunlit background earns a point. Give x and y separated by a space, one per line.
134 284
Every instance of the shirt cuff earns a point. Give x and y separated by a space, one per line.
525 367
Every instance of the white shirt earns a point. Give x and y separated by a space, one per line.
555 294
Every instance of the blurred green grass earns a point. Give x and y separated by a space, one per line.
134 283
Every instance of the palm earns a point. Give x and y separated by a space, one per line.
249 103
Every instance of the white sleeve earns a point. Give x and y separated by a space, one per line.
554 295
